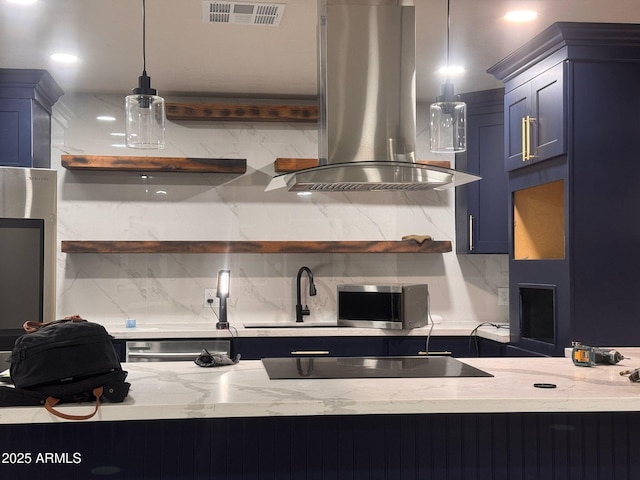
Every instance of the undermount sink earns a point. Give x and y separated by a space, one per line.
290 325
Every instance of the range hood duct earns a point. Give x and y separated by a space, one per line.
367 103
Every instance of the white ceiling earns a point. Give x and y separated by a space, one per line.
186 56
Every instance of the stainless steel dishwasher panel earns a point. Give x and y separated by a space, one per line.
173 350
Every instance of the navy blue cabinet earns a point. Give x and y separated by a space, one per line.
255 348
572 445
440 345
481 207
534 114
573 236
26 100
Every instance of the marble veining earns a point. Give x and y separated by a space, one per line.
168 390
167 289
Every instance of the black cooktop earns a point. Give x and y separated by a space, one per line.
368 367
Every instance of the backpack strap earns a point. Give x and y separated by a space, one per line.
52 402
31 326
18 397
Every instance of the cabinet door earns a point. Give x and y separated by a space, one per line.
540 104
548 109
482 207
487 215
255 348
15 133
25 134
516 107
455 346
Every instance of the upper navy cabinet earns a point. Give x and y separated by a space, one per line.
26 101
482 207
534 113
573 237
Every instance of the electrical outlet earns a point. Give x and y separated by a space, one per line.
503 296
210 297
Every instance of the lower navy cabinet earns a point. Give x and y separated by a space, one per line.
461 347
457 346
255 348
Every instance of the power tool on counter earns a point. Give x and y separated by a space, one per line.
584 356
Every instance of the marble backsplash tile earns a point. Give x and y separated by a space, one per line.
168 288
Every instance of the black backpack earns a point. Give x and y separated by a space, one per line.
70 360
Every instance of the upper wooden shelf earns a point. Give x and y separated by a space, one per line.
404 246
286 165
155 164
245 112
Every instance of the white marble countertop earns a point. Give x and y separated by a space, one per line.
174 390
208 330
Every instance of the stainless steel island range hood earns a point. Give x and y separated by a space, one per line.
367 103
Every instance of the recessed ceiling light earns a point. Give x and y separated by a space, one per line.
520 16
452 70
117 134
63 58
106 118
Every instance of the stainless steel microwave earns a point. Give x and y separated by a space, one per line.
394 306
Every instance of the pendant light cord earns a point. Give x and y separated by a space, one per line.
144 38
144 82
448 35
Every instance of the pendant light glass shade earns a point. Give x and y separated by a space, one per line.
448 123
448 115
145 121
144 109
144 118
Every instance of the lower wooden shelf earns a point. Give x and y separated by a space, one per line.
154 164
404 246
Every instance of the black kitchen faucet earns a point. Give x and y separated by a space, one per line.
300 311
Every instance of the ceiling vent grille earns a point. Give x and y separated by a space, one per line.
242 13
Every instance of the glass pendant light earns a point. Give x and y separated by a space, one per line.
144 109
448 115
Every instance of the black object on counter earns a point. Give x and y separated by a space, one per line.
369 367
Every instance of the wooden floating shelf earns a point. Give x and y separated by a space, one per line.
286 165
155 164
405 246
242 113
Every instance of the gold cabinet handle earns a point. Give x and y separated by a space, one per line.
526 138
310 352
528 125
